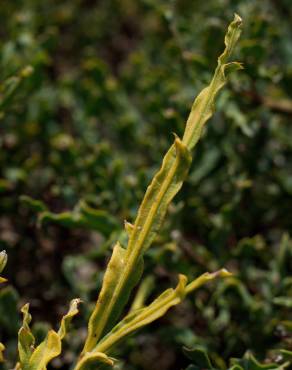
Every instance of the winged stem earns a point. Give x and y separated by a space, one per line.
125 267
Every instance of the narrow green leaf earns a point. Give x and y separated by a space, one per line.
141 317
82 216
26 339
205 278
204 105
73 310
164 186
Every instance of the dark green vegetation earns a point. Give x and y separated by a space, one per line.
89 94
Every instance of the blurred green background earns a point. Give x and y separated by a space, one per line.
90 93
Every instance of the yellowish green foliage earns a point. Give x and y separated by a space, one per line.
123 273
37 358
203 106
141 317
126 264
